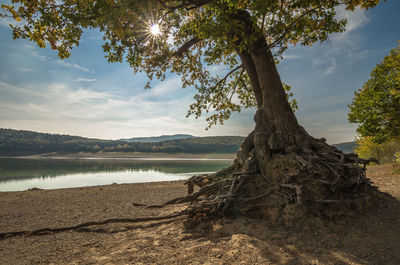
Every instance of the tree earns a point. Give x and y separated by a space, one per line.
376 106
280 172
387 152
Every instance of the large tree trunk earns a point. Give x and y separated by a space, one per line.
281 173
277 110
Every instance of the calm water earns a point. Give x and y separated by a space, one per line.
23 174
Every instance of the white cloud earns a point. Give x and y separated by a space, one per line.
32 51
85 80
291 56
6 89
36 54
325 64
76 66
355 20
26 70
331 125
167 87
342 48
356 55
60 108
332 66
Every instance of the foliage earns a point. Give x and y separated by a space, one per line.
196 37
289 96
376 107
16 142
385 153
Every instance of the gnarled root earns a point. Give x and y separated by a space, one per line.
284 178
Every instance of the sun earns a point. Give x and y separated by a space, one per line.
152 31
155 29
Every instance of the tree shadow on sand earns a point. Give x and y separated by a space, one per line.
372 237
368 238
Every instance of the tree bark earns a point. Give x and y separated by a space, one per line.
276 107
250 68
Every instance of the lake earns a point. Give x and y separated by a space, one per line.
22 174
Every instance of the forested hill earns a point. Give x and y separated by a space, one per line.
19 142
346 147
158 138
14 142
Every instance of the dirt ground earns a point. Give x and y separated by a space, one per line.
370 238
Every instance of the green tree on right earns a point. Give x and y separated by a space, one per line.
376 110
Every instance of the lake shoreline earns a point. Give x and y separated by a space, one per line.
127 156
19 174
33 208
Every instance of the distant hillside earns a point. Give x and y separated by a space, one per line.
161 138
19 142
212 144
347 147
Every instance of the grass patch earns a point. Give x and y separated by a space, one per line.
396 171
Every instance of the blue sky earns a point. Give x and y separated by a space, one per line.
87 96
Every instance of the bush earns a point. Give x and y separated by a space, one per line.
388 152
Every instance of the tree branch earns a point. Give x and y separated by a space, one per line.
186 46
236 84
227 75
289 26
221 81
48 230
187 5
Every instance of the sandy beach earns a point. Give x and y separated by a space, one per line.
370 238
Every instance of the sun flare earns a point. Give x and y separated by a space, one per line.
155 29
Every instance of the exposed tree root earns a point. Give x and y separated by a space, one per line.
48 230
283 177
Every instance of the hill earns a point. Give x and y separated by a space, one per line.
346 147
161 138
20 142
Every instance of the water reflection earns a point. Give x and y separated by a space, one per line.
22 174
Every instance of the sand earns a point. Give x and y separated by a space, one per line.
370 238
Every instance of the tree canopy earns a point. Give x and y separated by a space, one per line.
376 106
193 36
